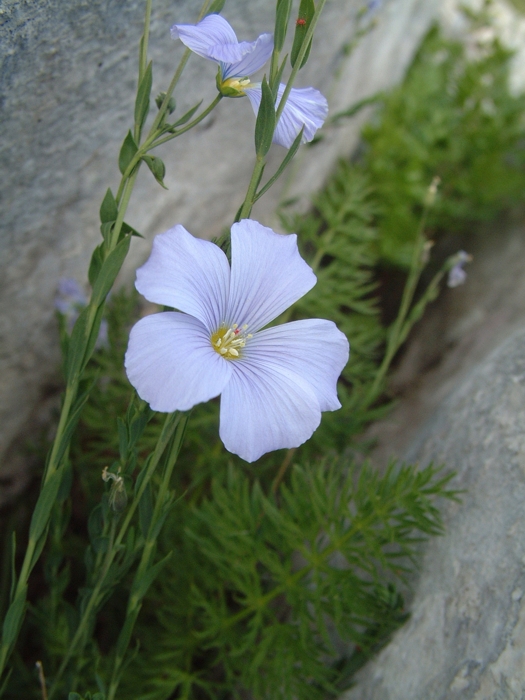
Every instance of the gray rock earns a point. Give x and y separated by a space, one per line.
67 73
466 635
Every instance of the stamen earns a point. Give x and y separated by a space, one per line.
229 341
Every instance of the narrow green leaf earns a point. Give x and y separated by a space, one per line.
306 13
105 230
126 228
157 167
186 117
146 510
282 15
127 152
96 263
122 439
6 681
45 503
13 619
216 7
108 208
145 582
291 152
143 96
13 568
278 76
109 270
265 124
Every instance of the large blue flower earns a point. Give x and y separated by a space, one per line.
273 383
214 39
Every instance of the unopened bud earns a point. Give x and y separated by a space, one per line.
432 191
171 102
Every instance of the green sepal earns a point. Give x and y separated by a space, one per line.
265 124
127 152
306 13
216 7
108 208
143 96
157 167
282 15
96 263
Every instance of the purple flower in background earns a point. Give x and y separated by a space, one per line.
214 39
69 302
273 383
457 274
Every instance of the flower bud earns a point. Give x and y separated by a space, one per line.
171 102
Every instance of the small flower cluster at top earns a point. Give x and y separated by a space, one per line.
214 39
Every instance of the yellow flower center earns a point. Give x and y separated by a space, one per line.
229 341
233 87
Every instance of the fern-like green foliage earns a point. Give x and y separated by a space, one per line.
264 594
455 118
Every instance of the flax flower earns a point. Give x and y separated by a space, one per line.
214 39
273 383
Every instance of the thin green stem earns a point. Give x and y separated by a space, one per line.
252 188
143 58
77 643
136 596
306 42
191 124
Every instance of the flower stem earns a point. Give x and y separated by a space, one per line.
78 642
191 124
137 591
246 208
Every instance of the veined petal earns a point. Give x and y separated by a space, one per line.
266 407
188 273
207 37
171 363
267 275
255 55
315 349
304 107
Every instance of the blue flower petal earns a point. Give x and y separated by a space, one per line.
255 55
208 38
213 38
266 407
313 348
171 363
304 107
267 275
187 273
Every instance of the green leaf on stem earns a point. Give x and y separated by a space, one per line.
216 7
143 96
282 15
305 16
157 167
96 263
126 228
140 588
185 117
108 208
105 230
127 152
291 152
13 619
146 510
109 270
265 124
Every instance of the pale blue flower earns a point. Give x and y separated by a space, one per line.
70 300
457 274
273 383
214 39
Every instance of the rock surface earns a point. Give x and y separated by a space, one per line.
466 635
67 74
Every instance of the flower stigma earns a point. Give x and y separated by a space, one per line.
228 341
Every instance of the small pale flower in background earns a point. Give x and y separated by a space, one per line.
70 300
214 39
457 274
273 383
